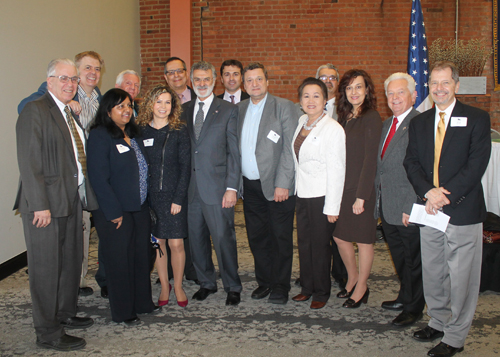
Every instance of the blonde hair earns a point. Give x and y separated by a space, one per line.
146 109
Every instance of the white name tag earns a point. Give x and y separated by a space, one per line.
149 142
273 136
122 148
458 121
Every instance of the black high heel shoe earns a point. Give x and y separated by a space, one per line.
345 294
351 304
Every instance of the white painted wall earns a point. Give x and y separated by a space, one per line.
33 32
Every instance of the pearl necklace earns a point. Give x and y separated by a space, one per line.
310 127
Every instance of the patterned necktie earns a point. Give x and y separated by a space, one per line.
438 145
78 141
389 137
198 122
232 98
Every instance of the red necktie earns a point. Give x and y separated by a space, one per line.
389 137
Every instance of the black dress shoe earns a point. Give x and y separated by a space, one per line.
346 294
277 297
444 350
133 321
260 293
87 291
63 343
351 304
427 334
203 293
77 322
407 318
392 305
104 292
233 298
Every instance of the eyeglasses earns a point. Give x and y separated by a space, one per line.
66 79
172 72
332 78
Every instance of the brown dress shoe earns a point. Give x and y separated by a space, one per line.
317 305
301 297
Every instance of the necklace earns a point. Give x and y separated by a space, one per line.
310 127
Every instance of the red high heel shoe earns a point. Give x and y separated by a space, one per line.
182 303
165 302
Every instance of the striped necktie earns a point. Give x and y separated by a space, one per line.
82 158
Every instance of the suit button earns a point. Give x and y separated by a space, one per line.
196 152
194 169
76 175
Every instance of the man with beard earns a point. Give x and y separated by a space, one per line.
230 72
215 178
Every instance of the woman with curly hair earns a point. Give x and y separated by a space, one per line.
167 143
363 125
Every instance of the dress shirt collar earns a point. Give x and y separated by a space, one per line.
447 116
186 95
259 105
237 96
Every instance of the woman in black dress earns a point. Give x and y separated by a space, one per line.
167 143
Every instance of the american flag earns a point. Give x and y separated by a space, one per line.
418 63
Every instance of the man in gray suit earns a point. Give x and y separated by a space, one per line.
265 130
395 198
52 192
215 178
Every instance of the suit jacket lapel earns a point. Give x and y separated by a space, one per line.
211 115
60 122
402 129
267 113
189 118
450 131
243 111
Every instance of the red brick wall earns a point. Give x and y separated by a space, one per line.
293 37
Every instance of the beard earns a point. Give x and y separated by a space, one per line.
209 89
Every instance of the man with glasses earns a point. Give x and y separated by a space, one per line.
175 74
329 74
84 104
52 192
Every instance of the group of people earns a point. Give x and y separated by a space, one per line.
174 167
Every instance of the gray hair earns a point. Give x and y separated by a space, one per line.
329 66
400 75
203 66
119 77
51 69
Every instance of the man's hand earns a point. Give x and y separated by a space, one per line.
332 219
174 209
75 107
406 219
118 221
229 199
42 219
436 199
357 207
280 194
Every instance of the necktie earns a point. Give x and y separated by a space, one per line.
438 145
232 98
198 122
79 145
389 137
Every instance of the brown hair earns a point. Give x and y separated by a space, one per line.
146 110
94 55
344 108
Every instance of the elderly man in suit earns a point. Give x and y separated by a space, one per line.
395 198
215 178
231 71
448 151
265 131
130 81
52 192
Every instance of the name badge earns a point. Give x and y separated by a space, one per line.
149 142
273 136
122 148
458 121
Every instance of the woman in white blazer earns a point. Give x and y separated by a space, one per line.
319 147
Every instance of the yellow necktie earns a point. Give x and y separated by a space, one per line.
79 145
438 145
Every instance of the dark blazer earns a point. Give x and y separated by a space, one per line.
244 95
41 91
47 164
274 160
398 195
115 175
464 158
215 157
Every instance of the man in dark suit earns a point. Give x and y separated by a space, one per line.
395 199
175 73
448 151
52 192
230 71
215 178
265 131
